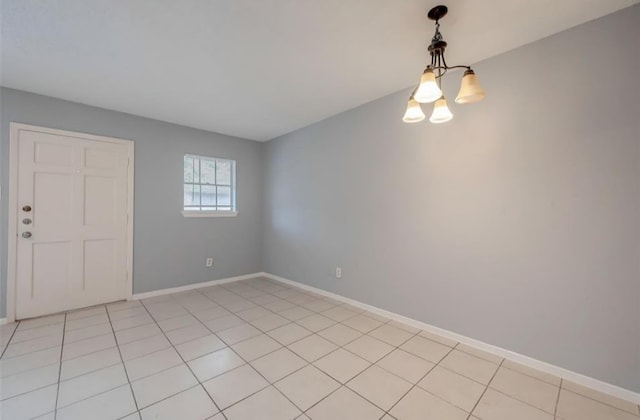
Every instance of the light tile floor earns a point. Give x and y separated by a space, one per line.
258 349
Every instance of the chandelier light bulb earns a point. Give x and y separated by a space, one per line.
470 90
440 112
414 113
428 90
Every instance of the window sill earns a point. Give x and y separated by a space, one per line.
209 213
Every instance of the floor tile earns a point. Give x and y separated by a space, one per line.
74 324
152 363
239 333
127 313
391 335
224 322
572 406
85 386
369 348
379 386
269 322
405 365
30 346
88 345
316 322
145 346
340 334
362 323
29 361
192 404
339 313
296 313
134 321
453 388
199 347
253 313
162 385
344 404
279 305
495 405
599 396
112 404
165 310
266 404
527 389
137 333
425 348
307 386
39 322
470 366
403 326
38 332
213 364
420 405
312 347
278 364
28 381
289 333
534 373
319 305
211 313
235 385
256 347
341 365
83 313
89 363
438 338
181 335
87 332
490 357
30 405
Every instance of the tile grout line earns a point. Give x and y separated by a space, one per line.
124 367
9 341
368 367
555 410
183 361
55 407
485 389
423 376
417 333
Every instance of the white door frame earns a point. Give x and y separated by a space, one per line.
12 242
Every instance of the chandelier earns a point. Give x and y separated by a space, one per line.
430 87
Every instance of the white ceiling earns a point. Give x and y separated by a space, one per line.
255 68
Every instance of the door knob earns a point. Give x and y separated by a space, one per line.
26 235
26 208
26 221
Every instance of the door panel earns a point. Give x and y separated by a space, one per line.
76 255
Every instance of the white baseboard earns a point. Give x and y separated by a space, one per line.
578 378
147 295
4 321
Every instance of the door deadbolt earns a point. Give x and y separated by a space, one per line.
26 235
26 208
26 221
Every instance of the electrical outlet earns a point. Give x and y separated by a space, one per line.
209 262
338 272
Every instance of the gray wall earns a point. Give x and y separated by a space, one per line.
169 250
517 223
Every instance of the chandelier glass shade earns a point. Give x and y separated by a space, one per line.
429 88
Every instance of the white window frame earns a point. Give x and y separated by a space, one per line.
212 213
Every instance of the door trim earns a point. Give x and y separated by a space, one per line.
12 240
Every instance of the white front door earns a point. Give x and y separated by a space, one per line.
72 221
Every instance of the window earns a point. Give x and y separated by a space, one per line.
209 187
